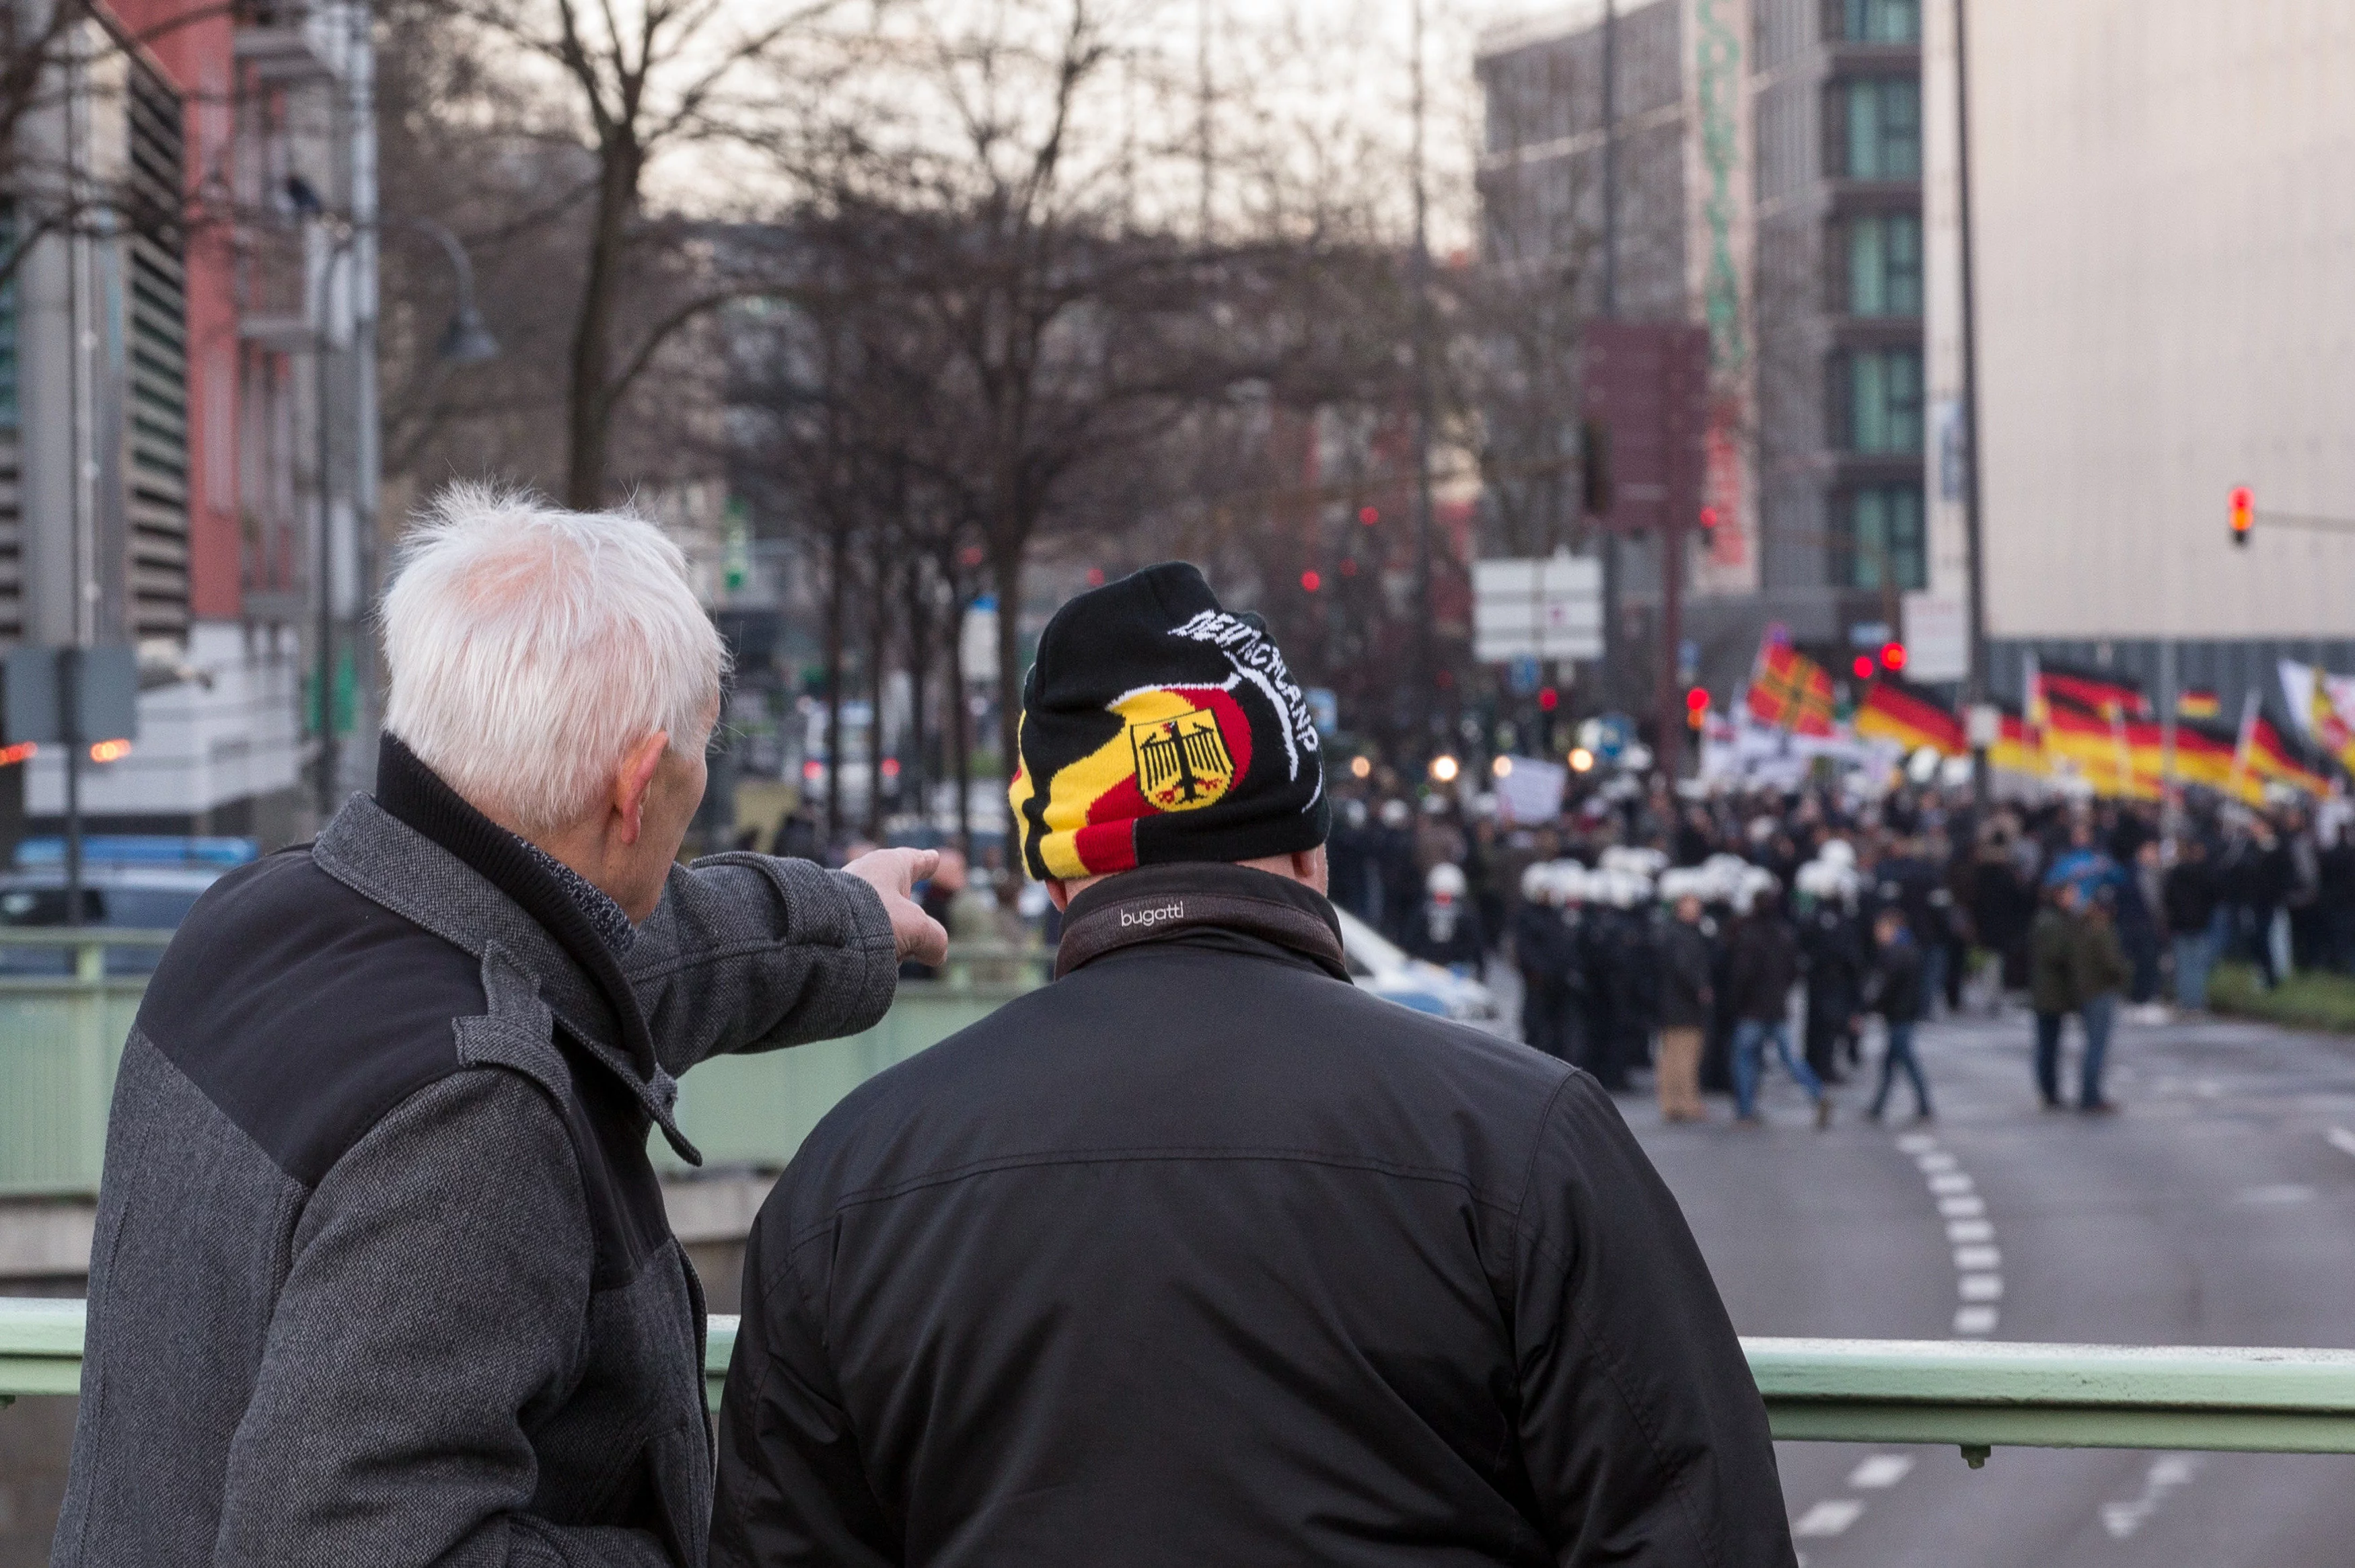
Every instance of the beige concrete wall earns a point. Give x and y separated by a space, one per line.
2166 247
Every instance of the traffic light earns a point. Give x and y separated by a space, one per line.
1892 657
2245 514
1548 699
1696 707
1708 529
1862 665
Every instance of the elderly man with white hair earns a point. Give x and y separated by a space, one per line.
382 1274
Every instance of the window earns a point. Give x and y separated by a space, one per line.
1884 399
1884 265
1883 139
7 327
1880 21
1882 546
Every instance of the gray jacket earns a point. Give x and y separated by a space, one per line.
381 1274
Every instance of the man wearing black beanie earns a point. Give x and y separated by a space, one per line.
1200 1254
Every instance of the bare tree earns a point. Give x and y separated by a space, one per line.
633 84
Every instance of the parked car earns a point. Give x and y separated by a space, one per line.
128 883
1382 966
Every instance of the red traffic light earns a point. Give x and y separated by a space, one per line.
1368 515
1892 656
1310 582
1696 707
1547 699
1708 524
2243 503
1863 666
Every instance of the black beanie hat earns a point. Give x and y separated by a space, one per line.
1158 728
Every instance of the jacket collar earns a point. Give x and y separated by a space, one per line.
421 851
1171 902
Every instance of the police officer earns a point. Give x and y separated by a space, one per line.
1201 1254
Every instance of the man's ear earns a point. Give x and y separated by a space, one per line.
1057 894
630 785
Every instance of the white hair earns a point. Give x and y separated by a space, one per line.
529 648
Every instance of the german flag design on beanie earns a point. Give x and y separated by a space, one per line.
1158 727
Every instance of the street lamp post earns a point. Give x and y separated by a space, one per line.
465 341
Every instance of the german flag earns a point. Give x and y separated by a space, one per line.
2116 757
1791 691
2199 703
2096 690
2276 759
2203 754
2015 749
1898 710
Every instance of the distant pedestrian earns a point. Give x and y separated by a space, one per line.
1762 967
1543 950
2194 921
2053 983
1685 997
2101 972
1446 929
1899 994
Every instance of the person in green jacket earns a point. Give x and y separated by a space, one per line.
2100 971
2052 982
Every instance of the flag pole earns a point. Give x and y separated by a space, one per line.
2241 746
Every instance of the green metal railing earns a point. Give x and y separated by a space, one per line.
61 1040
1973 1394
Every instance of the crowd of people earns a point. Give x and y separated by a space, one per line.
1651 928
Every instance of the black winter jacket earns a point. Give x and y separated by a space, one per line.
1897 982
1686 962
1760 969
1201 1256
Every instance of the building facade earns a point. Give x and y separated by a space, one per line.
2161 225
1767 159
180 346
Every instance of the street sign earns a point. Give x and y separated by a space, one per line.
1545 607
1645 386
105 682
1324 710
1937 637
1522 676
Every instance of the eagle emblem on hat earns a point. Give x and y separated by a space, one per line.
1182 761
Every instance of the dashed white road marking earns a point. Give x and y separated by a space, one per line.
1830 1517
2341 1139
2285 1193
2167 1472
1880 1470
1968 1231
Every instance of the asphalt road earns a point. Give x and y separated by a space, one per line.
2217 1209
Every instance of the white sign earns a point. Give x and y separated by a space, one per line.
978 641
1550 607
1937 637
1529 790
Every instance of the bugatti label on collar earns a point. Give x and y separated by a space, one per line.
1154 915
1182 761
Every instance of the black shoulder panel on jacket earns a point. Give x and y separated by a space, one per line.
305 1010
